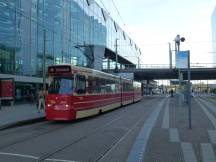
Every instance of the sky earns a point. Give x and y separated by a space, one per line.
152 24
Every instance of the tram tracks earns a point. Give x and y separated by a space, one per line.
31 136
77 140
21 128
136 126
86 135
98 129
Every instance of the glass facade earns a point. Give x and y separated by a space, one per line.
28 27
214 35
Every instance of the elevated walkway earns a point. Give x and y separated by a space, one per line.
163 71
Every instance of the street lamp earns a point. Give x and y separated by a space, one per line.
44 62
170 55
177 40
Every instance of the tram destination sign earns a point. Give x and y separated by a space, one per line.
59 69
182 59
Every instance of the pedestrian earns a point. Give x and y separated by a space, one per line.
171 92
40 100
32 97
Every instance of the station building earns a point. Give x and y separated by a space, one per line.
34 33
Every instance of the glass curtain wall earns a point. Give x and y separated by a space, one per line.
65 29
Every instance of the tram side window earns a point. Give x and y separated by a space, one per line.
127 87
80 84
90 81
61 86
96 85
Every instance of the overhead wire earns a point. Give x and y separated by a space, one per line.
105 7
123 22
118 13
121 17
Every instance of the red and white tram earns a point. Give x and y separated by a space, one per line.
77 92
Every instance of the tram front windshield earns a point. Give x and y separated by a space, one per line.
61 85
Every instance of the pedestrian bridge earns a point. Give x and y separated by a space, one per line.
199 71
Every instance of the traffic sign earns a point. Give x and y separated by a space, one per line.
182 59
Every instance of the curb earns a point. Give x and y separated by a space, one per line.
21 123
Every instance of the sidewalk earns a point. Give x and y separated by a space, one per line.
18 114
166 137
172 140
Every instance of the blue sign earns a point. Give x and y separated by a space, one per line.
182 59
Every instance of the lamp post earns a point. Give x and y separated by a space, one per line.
170 55
177 40
44 62
189 93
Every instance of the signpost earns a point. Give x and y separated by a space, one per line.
182 59
183 62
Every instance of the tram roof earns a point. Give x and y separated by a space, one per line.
88 70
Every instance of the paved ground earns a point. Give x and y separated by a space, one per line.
164 135
172 141
12 115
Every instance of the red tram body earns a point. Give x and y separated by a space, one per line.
77 92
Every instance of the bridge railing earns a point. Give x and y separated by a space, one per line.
203 65
162 66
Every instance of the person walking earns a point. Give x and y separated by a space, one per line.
41 101
32 99
171 92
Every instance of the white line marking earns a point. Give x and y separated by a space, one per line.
188 152
209 115
207 152
59 160
137 152
34 157
174 135
165 124
209 105
212 135
19 155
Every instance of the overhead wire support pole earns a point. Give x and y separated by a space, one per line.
44 62
189 93
170 55
116 48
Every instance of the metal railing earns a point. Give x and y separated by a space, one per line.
162 66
